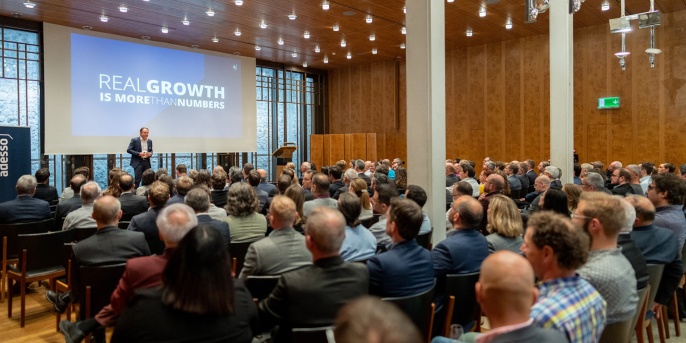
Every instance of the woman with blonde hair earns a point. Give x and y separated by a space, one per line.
573 193
504 224
359 188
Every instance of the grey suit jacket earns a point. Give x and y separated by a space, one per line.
283 250
308 206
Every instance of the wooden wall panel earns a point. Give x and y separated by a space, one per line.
317 149
358 145
336 148
494 99
326 157
371 147
498 99
348 143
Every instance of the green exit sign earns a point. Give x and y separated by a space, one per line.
605 103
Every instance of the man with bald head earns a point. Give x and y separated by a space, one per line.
506 292
71 204
141 272
566 302
304 297
266 186
658 245
493 185
109 245
132 204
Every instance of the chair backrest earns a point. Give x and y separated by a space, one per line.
83 233
102 281
641 308
425 239
418 308
123 225
461 286
261 286
370 221
617 332
313 335
654 277
44 250
12 230
238 251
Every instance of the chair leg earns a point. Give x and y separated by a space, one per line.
649 333
660 329
639 332
9 298
22 309
677 326
665 321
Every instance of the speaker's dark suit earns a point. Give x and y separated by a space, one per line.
46 192
139 164
24 209
221 226
66 207
109 245
311 296
132 205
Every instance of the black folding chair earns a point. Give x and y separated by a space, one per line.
237 251
261 286
419 308
460 301
425 239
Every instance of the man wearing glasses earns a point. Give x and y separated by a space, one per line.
601 217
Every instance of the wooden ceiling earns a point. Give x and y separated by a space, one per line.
146 18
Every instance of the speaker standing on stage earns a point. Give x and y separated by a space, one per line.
140 149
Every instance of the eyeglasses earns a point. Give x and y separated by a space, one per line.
579 216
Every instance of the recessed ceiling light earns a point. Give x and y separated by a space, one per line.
237 32
238 2
280 41
29 4
263 25
87 27
325 5
368 19
194 46
605 6
343 43
104 18
257 47
403 30
374 51
405 9
349 55
292 16
508 23
306 35
164 29
185 21
215 39
122 8
402 46
210 13
336 27
482 12
469 32
294 54
451 0
304 64
372 37
326 59
317 49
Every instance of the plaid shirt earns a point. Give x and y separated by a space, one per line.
570 305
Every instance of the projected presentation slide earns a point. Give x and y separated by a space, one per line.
115 84
100 89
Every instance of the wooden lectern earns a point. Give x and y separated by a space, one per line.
283 155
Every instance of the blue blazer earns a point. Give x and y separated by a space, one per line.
24 209
405 269
135 148
461 253
221 226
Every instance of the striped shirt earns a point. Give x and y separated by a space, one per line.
572 306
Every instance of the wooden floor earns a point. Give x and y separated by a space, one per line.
39 322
